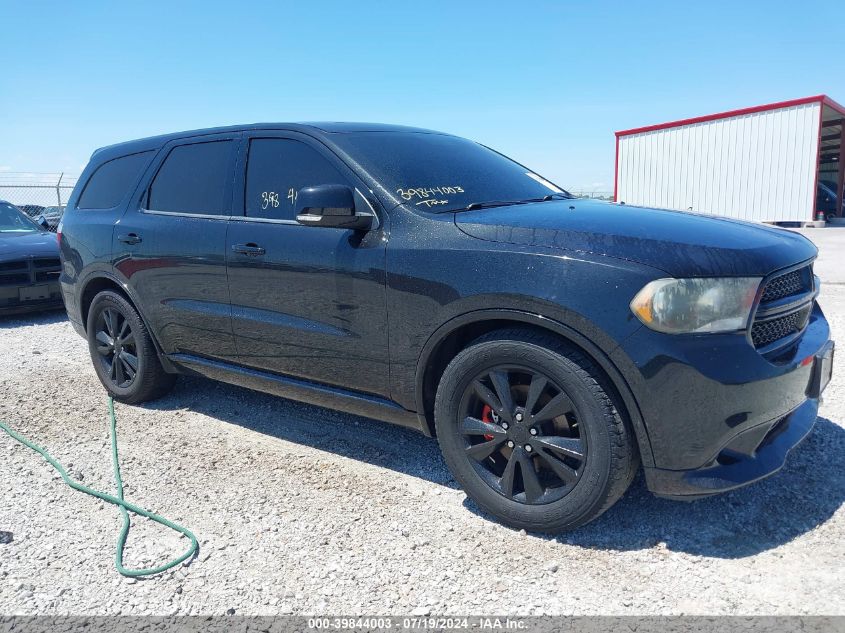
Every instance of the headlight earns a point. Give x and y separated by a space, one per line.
679 306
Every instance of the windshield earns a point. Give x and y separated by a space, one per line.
12 220
440 173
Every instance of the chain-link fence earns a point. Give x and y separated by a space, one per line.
44 195
41 196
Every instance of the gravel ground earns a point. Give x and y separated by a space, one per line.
303 510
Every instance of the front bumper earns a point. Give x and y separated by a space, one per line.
718 414
751 456
19 299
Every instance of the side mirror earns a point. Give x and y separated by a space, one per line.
42 222
331 206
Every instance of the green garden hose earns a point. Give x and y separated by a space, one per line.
119 501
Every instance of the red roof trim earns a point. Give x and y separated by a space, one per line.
724 115
831 103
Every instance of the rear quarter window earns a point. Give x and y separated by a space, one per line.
111 181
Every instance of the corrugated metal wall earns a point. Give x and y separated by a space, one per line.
759 166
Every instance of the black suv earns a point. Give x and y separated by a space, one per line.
551 344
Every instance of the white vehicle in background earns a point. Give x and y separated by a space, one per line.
50 217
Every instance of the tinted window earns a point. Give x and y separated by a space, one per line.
277 169
437 172
111 181
193 179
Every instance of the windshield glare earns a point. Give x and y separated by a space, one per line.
440 173
13 220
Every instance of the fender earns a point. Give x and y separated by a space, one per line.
600 356
133 298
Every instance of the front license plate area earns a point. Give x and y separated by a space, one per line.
822 371
34 293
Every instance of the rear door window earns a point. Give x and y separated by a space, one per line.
194 178
112 180
277 168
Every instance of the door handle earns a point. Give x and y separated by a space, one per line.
250 248
129 238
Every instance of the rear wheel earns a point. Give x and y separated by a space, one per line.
123 353
530 433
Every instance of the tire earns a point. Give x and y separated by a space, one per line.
583 457
138 376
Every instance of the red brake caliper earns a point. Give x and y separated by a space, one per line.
487 416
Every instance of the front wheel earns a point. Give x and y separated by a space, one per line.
123 353
527 429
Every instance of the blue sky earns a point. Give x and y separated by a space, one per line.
545 82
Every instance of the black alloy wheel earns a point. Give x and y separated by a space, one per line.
117 347
529 428
123 352
522 433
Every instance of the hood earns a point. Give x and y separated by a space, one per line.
678 243
21 245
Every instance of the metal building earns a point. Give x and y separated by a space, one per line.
772 163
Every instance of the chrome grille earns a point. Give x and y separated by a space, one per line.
22 272
765 333
785 307
791 283
46 276
14 273
46 262
46 269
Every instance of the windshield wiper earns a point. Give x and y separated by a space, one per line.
503 203
489 204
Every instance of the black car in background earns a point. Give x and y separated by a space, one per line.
551 344
29 264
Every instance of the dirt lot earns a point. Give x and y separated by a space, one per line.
304 510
